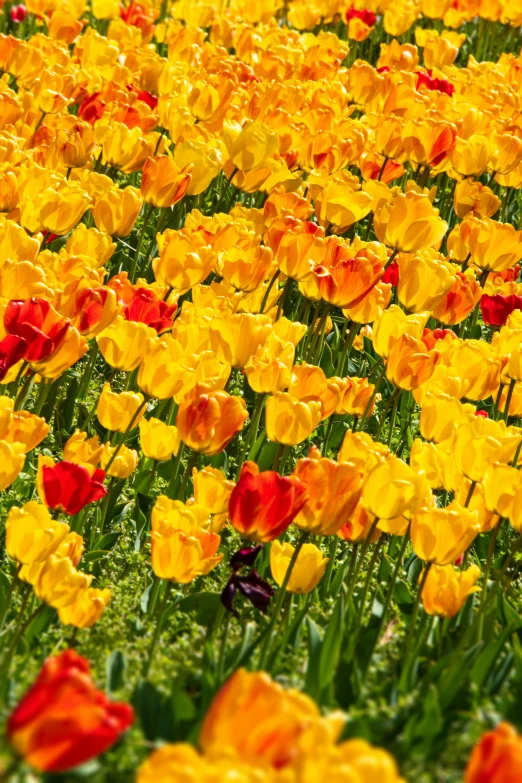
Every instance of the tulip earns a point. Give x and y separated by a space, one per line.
290 421
345 282
252 146
359 527
182 556
37 323
482 442
117 412
308 568
424 280
67 486
169 515
6 415
441 415
472 196
212 490
118 462
63 720
370 306
226 733
356 397
470 156
474 361
427 141
207 421
308 383
92 310
270 369
460 300
185 260
163 183
159 441
147 308
360 448
497 757
263 504
237 337
496 309
441 535
87 609
500 484
92 243
69 351
392 489
181 759
334 490
123 344
59 583
339 200
202 158
32 535
392 324
245 268
409 223
300 249
12 458
409 364
508 153
494 246
27 429
83 450
117 210
446 589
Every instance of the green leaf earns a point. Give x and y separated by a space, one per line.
331 647
115 669
96 554
205 604
314 655
486 660
267 456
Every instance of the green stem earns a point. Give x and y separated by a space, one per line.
146 218
267 292
157 631
127 430
413 623
347 347
325 587
508 399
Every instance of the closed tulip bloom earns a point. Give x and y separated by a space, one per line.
409 364
334 490
270 369
126 148
26 428
252 146
71 549
263 504
87 609
226 733
12 458
339 200
163 183
300 250
424 279
168 515
472 196
409 223
359 447
92 310
460 300
38 324
185 260
69 351
442 414
392 324
67 486
356 397
123 344
500 484
447 589
307 571
431 460
182 556
203 159
494 246
474 361
441 535
470 157
207 421
116 412
63 720
59 583
237 337
359 526
32 535
116 211
6 414
428 141
83 450
482 442
391 489
497 757
159 441
508 153
371 305
212 489
291 421
123 465
245 268
310 384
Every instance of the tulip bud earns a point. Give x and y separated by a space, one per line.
32 535
163 184
447 588
441 535
12 458
117 210
123 344
87 609
116 412
409 223
207 421
290 421
159 441
308 568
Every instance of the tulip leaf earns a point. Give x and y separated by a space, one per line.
97 554
314 654
486 660
268 455
115 669
205 604
331 647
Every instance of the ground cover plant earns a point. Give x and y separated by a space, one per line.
261 391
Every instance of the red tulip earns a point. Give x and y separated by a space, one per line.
63 720
12 349
425 79
497 757
495 309
36 321
70 487
18 13
263 505
146 308
391 274
366 16
91 108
